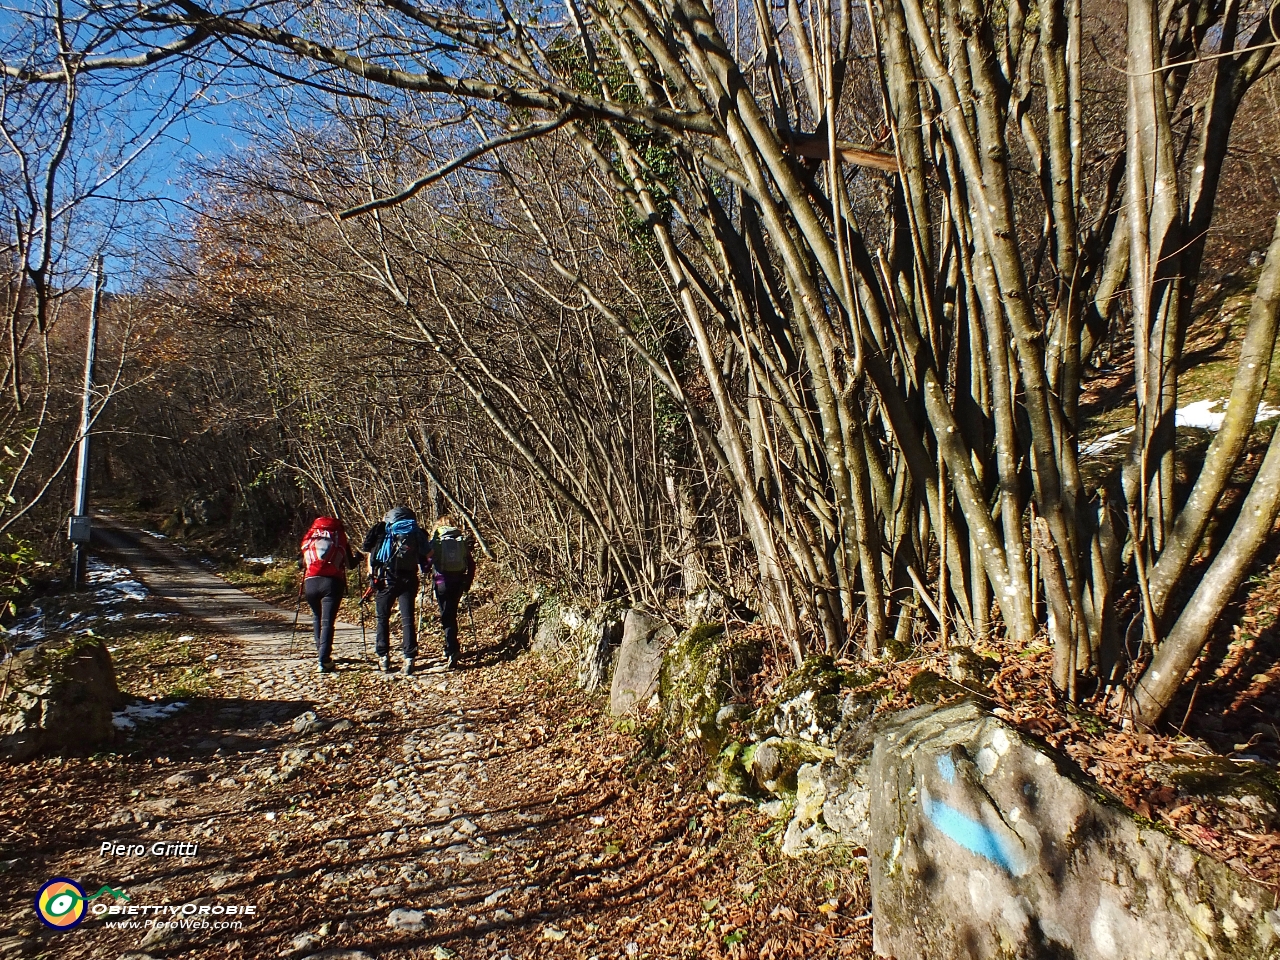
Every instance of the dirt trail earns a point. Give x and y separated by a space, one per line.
263 631
492 812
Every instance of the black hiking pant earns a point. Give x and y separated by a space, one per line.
447 597
392 591
324 595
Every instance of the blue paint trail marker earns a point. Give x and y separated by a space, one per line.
974 836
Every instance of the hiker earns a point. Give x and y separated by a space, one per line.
326 555
398 548
454 570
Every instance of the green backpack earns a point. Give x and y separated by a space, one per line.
452 551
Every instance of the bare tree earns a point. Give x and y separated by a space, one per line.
895 235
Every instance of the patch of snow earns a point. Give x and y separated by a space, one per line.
186 638
1200 414
30 629
152 533
132 589
132 715
99 572
153 616
1104 442
267 560
122 590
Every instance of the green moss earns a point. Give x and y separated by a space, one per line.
701 672
700 638
808 704
929 687
1220 777
730 771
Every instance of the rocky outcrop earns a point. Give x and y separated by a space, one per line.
812 703
985 844
557 623
635 678
58 699
702 672
1247 792
599 639
569 636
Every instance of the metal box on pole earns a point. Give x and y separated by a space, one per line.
79 530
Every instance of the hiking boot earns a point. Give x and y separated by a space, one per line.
385 663
325 666
407 669
451 662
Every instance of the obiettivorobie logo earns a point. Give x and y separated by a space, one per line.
62 904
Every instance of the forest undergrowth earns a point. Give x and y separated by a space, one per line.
1206 776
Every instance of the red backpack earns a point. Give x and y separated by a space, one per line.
325 549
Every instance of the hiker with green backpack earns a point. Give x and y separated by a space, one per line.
398 549
454 569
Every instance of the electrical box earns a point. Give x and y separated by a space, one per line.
78 530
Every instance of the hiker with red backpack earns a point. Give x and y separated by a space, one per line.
454 570
326 555
398 549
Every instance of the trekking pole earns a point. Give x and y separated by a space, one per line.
364 637
296 614
421 603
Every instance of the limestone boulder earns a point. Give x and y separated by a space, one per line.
774 763
557 623
597 643
635 678
58 698
832 797
570 636
987 844
818 703
703 671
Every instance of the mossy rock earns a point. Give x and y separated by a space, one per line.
702 672
929 687
1252 788
774 763
59 698
971 669
729 775
816 701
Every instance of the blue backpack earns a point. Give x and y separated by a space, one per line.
399 551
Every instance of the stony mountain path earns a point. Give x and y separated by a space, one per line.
490 812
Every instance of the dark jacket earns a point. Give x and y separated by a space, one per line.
378 532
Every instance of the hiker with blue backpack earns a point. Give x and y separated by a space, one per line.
454 569
398 549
